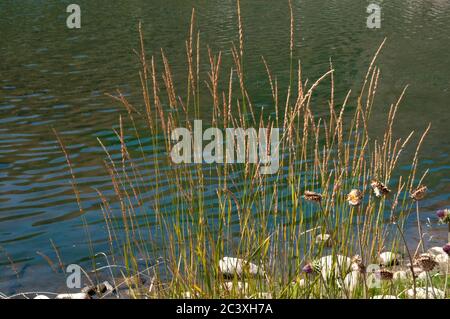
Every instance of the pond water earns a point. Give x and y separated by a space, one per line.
55 78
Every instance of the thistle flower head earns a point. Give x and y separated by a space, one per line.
354 197
441 213
446 248
312 196
444 216
308 269
379 188
419 193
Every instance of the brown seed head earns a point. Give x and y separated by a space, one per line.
426 262
312 196
379 188
385 274
419 193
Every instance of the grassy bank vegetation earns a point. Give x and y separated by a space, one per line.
322 201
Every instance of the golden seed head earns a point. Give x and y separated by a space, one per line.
354 197
379 188
419 193
312 196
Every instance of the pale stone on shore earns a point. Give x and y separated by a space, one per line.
422 276
417 270
384 297
186 295
263 295
231 266
340 264
436 251
350 282
324 238
80 295
388 258
421 293
100 289
299 283
441 257
444 263
239 286
400 275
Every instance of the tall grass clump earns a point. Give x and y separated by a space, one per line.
338 192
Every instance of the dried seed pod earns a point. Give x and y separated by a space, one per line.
385 274
379 188
419 193
312 196
354 198
426 262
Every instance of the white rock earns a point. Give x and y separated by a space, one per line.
422 276
350 282
338 264
421 293
239 286
230 266
400 275
189 295
441 257
41 297
323 238
109 288
263 295
444 263
388 258
186 295
436 251
384 297
299 283
80 295
417 270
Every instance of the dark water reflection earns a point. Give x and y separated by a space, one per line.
52 77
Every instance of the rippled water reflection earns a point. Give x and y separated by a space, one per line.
52 77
